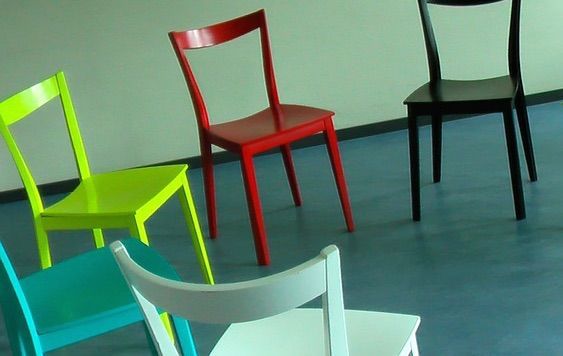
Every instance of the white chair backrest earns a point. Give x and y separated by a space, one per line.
243 301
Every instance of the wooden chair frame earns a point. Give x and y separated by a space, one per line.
121 199
274 127
441 97
252 301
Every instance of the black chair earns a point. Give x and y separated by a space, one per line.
441 97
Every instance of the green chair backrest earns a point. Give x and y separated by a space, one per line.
15 308
20 106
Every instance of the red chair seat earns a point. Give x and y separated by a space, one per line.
266 129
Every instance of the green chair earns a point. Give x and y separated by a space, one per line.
77 299
122 199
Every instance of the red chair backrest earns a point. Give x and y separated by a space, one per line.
217 34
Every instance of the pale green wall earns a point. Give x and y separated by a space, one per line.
358 58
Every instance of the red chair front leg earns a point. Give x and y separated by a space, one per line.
255 209
334 154
209 186
291 177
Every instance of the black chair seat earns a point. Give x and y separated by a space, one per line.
464 94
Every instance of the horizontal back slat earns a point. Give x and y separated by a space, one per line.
232 302
462 2
219 33
24 103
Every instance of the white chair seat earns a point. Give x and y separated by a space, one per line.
300 332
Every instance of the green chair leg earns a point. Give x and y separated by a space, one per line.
194 228
98 238
43 245
138 230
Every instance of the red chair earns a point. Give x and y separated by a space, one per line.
276 126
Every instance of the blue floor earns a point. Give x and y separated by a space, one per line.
483 283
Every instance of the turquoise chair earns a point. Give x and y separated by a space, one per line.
77 299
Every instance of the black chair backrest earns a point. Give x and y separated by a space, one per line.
432 48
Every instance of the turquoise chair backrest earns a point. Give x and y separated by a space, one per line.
20 326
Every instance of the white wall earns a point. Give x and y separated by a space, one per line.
358 58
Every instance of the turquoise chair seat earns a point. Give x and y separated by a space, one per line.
77 299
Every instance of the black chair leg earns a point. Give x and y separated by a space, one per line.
437 147
523 123
414 166
514 163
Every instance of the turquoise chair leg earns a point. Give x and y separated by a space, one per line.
185 341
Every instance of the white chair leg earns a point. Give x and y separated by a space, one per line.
414 346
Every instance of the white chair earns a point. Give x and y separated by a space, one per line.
263 310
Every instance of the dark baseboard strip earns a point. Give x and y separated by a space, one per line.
545 97
223 157
64 186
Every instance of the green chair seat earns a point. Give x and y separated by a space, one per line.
118 193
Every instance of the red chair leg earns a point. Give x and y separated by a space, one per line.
209 186
334 154
291 177
255 210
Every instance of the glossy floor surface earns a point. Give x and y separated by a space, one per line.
483 283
